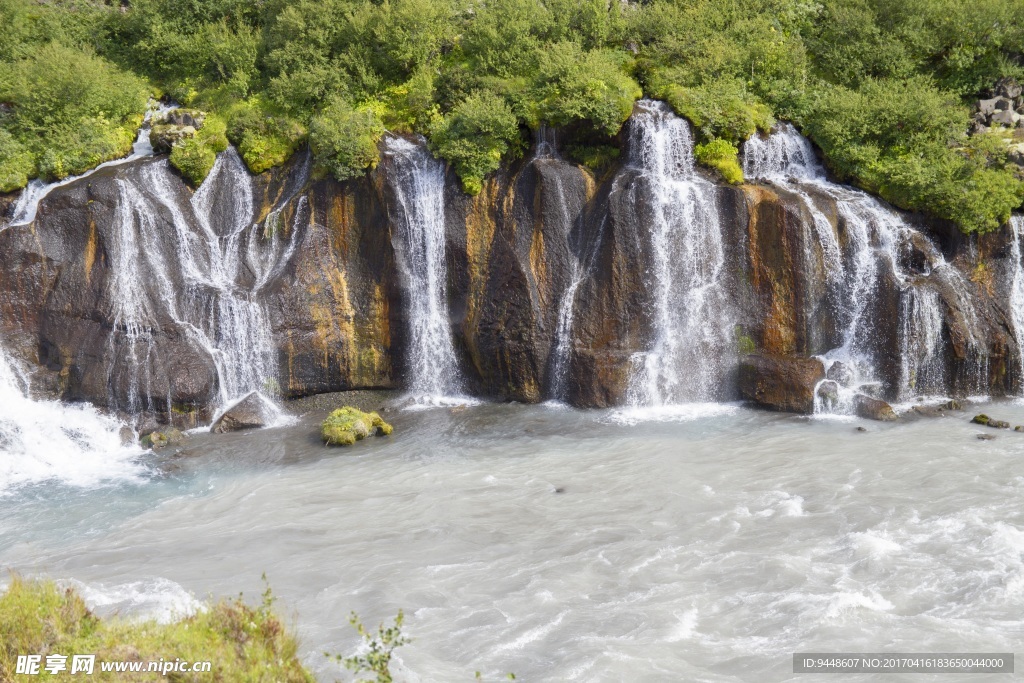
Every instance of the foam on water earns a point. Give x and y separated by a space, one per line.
49 441
158 599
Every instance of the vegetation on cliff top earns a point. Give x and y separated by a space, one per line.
883 88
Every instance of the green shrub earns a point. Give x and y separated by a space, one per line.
16 164
723 109
723 156
194 157
592 86
264 139
475 136
242 643
906 140
344 139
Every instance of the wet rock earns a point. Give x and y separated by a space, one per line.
162 438
828 393
952 404
778 382
862 429
1019 428
873 409
839 372
127 435
251 412
347 425
983 419
928 411
986 437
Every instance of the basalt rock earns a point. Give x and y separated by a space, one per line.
873 409
162 438
251 412
983 419
777 382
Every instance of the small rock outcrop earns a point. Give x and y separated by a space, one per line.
779 382
251 412
873 409
347 425
983 419
1004 109
174 126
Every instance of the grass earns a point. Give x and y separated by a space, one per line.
242 642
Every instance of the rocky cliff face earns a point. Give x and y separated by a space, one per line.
128 292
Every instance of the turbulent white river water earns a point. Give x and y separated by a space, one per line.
700 550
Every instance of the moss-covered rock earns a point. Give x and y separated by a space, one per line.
983 419
347 425
162 438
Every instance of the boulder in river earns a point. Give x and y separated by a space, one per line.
161 438
840 373
873 409
251 412
347 425
828 392
983 419
780 382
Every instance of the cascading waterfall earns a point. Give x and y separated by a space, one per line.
419 241
875 235
692 325
218 249
52 441
1017 290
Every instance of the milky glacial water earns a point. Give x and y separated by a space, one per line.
701 549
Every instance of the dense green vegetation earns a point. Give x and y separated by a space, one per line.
882 87
242 643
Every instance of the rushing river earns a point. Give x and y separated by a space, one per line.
567 545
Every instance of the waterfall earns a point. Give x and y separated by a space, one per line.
692 348
1017 291
875 236
51 441
419 242
206 274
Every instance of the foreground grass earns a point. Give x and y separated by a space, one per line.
243 643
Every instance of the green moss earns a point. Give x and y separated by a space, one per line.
194 157
598 158
721 109
722 156
744 343
347 425
265 137
242 643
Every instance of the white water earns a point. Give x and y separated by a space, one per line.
419 240
28 203
217 258
697 551
1017 287
48 441
692 327
874 236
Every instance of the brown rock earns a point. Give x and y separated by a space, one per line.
251 412
873 409
784 383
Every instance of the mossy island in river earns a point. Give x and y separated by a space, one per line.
345 426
